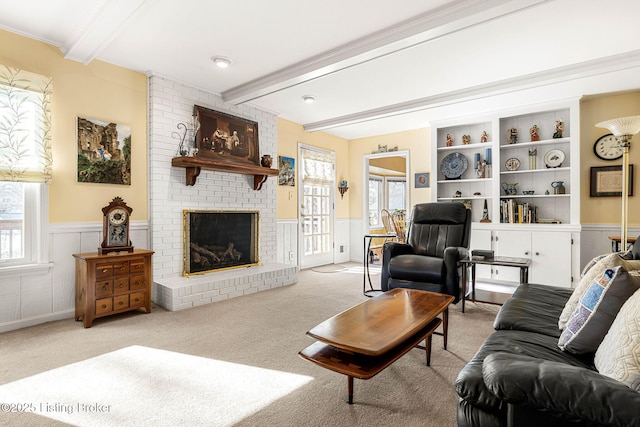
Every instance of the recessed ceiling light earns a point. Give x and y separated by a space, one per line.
309 99
221 61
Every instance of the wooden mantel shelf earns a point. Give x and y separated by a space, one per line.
194 165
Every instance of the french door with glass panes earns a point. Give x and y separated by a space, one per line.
316 214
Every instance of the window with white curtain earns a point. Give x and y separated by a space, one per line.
25 162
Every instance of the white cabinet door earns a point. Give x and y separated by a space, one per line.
549 251
512 244
551 258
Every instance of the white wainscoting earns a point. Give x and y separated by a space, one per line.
594 240
287 247
43 293
346 249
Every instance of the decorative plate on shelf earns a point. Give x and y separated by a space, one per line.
454 165
512 164
554 158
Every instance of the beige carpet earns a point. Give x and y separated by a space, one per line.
229 363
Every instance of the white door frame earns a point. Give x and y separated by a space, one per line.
365 185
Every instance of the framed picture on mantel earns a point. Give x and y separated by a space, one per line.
226 138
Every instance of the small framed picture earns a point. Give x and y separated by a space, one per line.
607 181
422 180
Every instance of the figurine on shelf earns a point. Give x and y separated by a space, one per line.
481 167
535 133
484 137
559 129
485 213
449 140
458 194
466 139
512 134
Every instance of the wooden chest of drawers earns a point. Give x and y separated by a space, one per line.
113 283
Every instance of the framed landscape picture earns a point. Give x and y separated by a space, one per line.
104 152
287 171
226 138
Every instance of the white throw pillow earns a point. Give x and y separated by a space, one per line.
599 266
618 356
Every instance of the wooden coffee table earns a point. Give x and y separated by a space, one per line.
363 340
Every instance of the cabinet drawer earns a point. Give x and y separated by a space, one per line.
120 285
104 270
104 288
137 299
136 266
121 268
120 302
103 306
138 282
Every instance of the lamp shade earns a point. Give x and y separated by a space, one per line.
622 126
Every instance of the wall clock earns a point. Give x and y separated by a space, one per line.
608 147
115 227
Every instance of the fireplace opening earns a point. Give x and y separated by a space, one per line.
216 240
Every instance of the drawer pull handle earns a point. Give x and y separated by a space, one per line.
104 270
104 288
104 306
121 268
121 303
137 300
137 283
121 286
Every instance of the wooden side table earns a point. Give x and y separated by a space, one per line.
112 283
616 240
503 261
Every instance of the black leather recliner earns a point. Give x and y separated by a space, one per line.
437 238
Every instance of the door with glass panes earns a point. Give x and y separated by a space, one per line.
316 214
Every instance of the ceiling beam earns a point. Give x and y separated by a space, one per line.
556 75
420 29
103 23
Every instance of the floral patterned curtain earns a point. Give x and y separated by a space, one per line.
25 126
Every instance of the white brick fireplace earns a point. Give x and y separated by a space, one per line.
172 103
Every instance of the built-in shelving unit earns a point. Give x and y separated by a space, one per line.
550 189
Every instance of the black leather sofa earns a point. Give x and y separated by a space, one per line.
520 377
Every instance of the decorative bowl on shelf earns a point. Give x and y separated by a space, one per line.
454 165
528 192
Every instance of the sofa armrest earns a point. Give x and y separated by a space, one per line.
566 391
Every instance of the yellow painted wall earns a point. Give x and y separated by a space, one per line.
99 91
606 210
289 135
417 142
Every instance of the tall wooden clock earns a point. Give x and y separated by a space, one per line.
115 227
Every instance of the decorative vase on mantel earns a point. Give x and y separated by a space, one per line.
266 161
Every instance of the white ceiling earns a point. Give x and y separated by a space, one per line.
375 66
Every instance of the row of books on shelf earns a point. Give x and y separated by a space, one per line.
517 213
512 212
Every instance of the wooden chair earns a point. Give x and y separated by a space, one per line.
399 221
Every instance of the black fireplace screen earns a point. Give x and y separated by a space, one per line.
217 240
